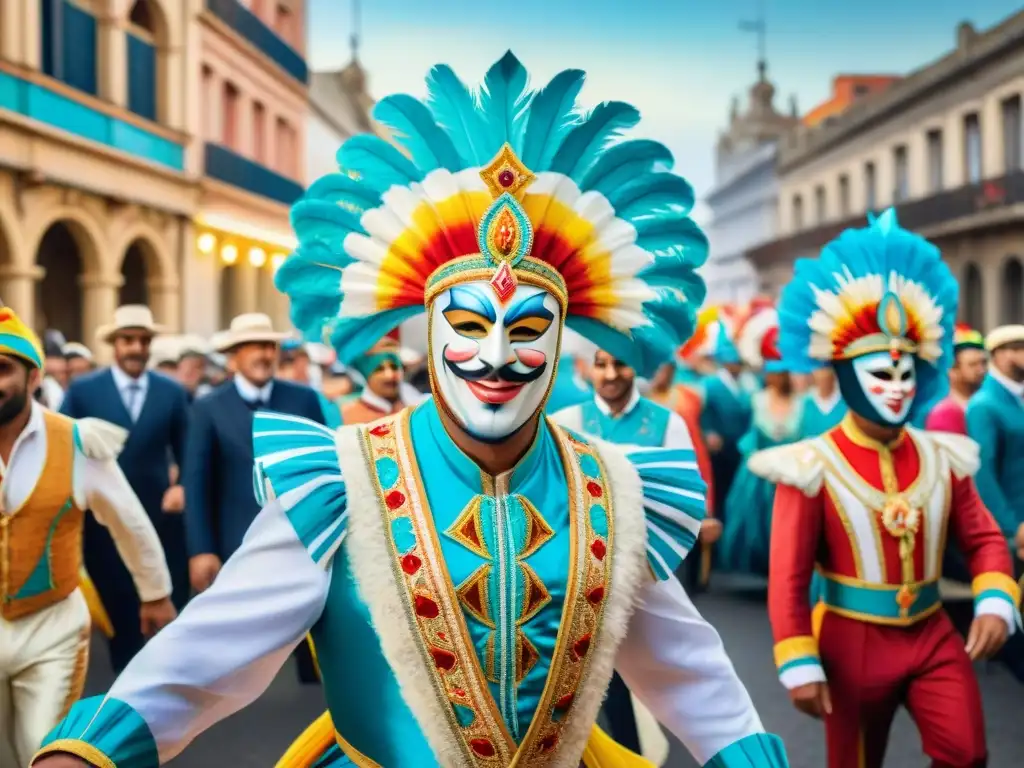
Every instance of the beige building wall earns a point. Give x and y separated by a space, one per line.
102 204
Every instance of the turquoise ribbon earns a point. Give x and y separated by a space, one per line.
367 364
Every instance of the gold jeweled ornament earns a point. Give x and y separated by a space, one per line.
902 521
504 238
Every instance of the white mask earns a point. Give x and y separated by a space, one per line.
493 362
889 385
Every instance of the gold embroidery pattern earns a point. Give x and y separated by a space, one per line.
431 603
588 583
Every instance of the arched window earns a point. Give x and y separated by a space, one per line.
798 212
1013 291
971 310
145 44
68 42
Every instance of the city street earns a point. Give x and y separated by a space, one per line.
258 735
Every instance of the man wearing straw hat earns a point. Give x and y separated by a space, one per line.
52 469
154 411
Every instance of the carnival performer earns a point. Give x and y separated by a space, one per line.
52 468
776 419
970 363
381 369
727 410
823 407
870 503
468 568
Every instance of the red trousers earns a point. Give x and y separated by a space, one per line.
873 669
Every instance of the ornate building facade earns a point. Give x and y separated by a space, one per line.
945 146
95 193
744 199
149 150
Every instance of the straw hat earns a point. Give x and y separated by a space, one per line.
250 328
1003 335
164 351
135 317
74 349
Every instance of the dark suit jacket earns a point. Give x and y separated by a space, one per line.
154 441
218 473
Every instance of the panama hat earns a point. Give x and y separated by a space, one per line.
250 328
1003 335
129 317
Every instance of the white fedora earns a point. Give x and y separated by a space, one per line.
250 328
130 317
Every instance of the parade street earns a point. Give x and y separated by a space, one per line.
259 735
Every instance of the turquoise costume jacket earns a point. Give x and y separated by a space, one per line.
726 413
644 425
461 619
814 421
995 420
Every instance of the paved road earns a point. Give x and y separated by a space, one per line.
257 736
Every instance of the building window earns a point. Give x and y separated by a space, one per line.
934 140
798 212
870 182
1012 135
229 121
142 60
259 133
973 296
860 90
819 205
972 148
901 190
1013 291
285 149
68 44
844 196
209 104
283 22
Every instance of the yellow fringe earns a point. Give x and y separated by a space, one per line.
601 750
100 618
817 617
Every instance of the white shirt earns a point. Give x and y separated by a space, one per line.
1016 388
676 433
99 486
250 392
237 635
729 380
133 399
377 402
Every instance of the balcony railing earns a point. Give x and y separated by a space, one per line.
248 25
923 212
224 165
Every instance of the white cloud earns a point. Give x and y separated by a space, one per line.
666 86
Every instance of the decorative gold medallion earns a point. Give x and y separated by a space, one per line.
506 174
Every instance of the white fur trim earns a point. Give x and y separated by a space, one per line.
372 567
100 439
962 453
798 464
629 568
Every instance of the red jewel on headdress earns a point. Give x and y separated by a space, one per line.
504 282
506 178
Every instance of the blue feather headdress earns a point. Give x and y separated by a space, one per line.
875 289
507 185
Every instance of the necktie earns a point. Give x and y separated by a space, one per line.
134 390
256 404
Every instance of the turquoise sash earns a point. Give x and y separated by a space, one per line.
881 603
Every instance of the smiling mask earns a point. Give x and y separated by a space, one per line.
878 387
492 362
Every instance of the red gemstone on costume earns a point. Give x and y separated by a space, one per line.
380 430
411 564
596 595
458 692
581 646
599 549
548 743
395 499
426 607
445 660
565 702
504 282
442 636
595 489
482 747
506 178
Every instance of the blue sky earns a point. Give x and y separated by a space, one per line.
679 61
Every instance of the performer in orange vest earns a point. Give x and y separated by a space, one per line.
52 468
870 504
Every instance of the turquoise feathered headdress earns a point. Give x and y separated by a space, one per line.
875 289
508 185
